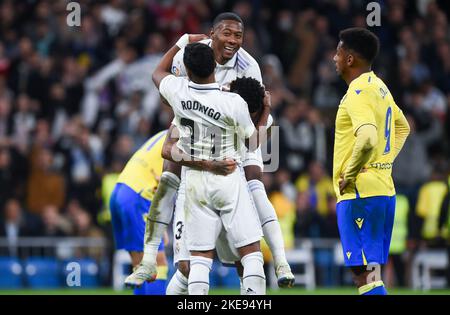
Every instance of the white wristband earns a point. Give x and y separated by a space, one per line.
183 41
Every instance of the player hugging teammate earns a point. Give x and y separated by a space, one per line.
205 138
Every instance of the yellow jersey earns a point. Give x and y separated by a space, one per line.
367 101
143 170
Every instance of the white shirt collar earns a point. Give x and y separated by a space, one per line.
229 64
204 87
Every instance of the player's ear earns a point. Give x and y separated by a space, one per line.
350 59
211 33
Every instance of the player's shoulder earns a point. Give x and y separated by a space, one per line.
174 81
234 99
244 60
366 85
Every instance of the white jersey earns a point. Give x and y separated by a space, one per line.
241 65
208 119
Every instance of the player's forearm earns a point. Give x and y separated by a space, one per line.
260 133
401 133
366 140
163 68
172 153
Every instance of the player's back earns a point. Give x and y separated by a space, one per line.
208 119
142 171
368 101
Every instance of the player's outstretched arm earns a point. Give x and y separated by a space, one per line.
163 68
171 152
366 140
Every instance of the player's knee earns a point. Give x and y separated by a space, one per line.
248 249
253 172
183 267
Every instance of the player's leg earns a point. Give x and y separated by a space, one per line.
202 227
135 218
244 232
361 225
270 225
161 210
240 272
159 217
253 277
200 267
158 287
178 285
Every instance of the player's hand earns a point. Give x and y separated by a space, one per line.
193 38
267 102
223 167
344 184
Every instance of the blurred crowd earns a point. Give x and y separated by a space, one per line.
77 101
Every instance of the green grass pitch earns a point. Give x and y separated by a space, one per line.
293 291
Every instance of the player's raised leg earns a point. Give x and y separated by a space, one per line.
159 218
270 225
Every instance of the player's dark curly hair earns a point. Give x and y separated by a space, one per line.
199 59
362 41
250 90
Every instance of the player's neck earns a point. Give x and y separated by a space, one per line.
355 73
208 80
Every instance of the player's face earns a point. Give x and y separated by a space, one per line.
227 38
340 59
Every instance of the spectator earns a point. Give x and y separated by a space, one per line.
308 223
16 223
318 185
45 184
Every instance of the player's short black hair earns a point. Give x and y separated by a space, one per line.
362 41
250 90
227 16
199 59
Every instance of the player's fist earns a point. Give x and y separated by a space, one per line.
193 38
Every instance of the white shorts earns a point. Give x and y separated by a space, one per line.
213 202
253 158
226 253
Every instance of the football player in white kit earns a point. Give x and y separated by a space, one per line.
232 62
208 120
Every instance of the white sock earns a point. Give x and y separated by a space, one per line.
178 285
269 221
160 215
198 283
241 286
254 279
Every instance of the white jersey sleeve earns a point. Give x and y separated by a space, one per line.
178 67
254 72
168 88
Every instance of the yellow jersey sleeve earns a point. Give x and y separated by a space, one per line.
143 170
